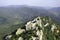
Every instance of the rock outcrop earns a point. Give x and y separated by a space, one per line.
41 28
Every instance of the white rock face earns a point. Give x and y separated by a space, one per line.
8 37
33 38
19 31
20 38
28 25
46 24
36 28
32 24
53 27
40 34
39 22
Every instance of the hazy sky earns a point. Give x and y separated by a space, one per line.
45 3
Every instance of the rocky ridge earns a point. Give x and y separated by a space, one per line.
41 28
